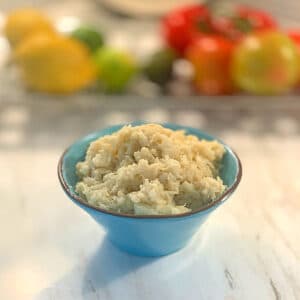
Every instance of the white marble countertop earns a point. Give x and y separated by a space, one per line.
248 249
51 250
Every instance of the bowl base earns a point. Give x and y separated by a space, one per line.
144 253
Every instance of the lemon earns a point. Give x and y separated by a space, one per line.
55 64
25 22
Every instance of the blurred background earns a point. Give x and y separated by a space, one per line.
108 62
70 67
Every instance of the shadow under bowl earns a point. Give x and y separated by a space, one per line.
149 235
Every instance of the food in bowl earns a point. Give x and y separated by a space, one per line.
150 170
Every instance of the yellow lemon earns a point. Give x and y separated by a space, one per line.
22 23
55 64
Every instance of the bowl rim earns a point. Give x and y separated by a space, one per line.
216 202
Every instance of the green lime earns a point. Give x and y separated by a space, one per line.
115 69
159 66
92 38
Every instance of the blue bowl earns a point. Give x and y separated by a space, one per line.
149 235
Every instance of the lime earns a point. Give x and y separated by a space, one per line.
92 38
115 68
159 66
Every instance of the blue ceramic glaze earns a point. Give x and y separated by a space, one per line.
147 235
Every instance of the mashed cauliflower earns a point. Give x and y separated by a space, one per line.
150 169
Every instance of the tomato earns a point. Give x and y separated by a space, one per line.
243 20
294 35
179 25
265 63
211 56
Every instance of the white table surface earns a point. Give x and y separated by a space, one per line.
50 249
248 249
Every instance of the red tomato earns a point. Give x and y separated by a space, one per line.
243 20
294 35
211 57
179 25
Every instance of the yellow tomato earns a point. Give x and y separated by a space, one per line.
266 63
